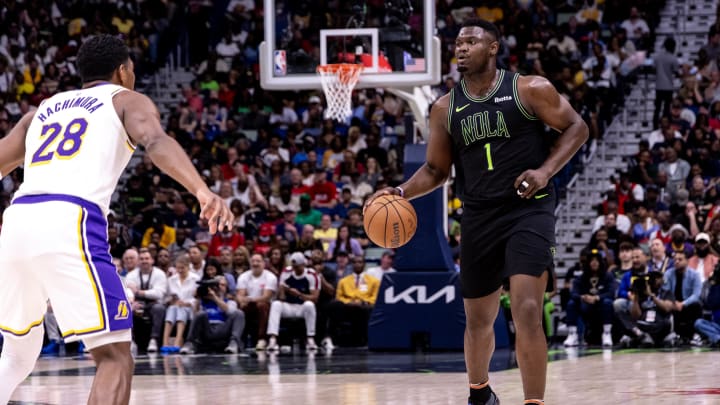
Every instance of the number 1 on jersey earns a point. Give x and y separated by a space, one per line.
489 156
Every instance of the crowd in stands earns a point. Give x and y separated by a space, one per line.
650 272
295 181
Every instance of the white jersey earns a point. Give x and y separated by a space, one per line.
76 145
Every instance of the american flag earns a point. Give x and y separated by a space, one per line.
413 65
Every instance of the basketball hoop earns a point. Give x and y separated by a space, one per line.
338 81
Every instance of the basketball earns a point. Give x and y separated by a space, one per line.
390 221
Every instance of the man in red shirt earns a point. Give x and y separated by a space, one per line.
296 182
323 193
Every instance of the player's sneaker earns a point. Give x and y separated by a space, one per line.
311 346
493 400
607 339
152 346
261 344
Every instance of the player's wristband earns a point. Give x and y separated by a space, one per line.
401 191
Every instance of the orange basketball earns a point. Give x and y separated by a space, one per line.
390 221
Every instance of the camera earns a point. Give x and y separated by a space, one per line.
204 287
639 286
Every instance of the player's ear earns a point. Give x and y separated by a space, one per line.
494 48
123 73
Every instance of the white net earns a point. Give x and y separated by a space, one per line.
338 81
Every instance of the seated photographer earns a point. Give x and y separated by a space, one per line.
217 322
255 290
149 285
592 299
298 292
181 298
710 329
355 298
648 321
685 285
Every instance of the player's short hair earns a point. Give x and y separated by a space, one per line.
99 56
486 25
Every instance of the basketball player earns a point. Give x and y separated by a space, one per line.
53 243
491 127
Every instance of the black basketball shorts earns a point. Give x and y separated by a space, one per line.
501 241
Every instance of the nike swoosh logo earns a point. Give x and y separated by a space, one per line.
537 197
458 109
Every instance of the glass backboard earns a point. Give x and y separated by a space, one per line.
393 39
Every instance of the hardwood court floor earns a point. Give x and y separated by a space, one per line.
354 378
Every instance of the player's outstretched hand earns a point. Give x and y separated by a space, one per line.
214 209
381 192
530 182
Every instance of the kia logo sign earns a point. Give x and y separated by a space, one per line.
417 294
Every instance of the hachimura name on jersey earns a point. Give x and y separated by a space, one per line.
91 104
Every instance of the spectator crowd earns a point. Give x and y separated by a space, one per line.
296 182
650 274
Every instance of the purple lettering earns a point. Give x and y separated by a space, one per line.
57 107
78 101
92 110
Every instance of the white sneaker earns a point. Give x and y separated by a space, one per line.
571 340
311 345
232 348
261 344
327 343
133 349
188 348
697 340
626 341
272 346
607 339
152 346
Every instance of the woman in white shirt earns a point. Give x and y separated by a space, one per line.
181 297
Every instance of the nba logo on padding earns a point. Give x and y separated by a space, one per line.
122 311
280 63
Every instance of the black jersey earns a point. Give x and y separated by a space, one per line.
494 140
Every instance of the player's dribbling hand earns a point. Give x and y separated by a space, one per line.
214 209
381 192
533 181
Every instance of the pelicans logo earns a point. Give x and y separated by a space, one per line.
122 311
